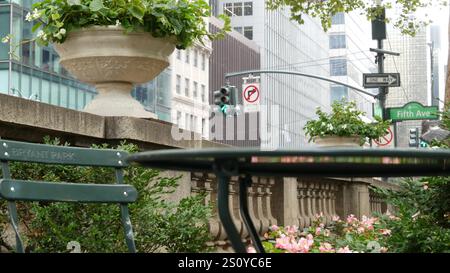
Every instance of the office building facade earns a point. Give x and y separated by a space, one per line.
33 72
414 66
233 53
285 45
350 58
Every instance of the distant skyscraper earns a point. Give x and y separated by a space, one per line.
285 45
350 42
414 66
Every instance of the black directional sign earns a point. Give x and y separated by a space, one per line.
374 80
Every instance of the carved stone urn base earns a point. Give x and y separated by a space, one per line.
114 99
113 61
337 141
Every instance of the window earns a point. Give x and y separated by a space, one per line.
203 93
338 93
237 9
178 121
338 19
178 54
203 126
195 93
196 58
248 32
188 56
228 9
178 84
337 41
248 8
338 67
194 128
238 29
203 61
186 121
186 87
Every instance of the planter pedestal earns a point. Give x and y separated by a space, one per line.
114 99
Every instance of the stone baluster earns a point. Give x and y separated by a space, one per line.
251 201
301 196
333 195
234 207
315 198
309 203
326 208
267 208
261 191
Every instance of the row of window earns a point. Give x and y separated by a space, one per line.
187 88
191 123
195 57
246 31
238 9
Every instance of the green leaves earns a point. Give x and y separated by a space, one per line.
181 19
345 120
325 10
157 223
96 5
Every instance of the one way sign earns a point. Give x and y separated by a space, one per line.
374 80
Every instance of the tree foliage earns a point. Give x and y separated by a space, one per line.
405 20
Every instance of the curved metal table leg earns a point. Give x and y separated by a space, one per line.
224 213
244 183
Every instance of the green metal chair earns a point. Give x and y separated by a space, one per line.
20 190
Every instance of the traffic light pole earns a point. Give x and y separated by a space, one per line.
234 74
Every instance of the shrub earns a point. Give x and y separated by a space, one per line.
158 224
345 120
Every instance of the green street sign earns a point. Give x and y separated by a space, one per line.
413 111
377 110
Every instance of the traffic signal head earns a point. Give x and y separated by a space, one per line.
224 98
414 137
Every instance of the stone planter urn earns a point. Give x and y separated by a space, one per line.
113 61
337 141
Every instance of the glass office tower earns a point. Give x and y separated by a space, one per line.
33 72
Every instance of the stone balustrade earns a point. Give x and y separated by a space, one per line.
289 201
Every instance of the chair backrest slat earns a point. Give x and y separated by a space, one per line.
25 190
66 192
50 154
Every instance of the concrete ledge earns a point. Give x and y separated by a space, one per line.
27 120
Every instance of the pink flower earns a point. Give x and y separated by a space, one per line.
360 230
335 218
251 249
318 230
344 250
326 248
351 219
291 230
283 242
274 228
385 231
322 225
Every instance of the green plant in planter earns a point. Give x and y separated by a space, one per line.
182 19
345 120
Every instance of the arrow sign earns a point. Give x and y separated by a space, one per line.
375 80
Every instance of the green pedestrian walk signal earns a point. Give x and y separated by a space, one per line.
225 98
